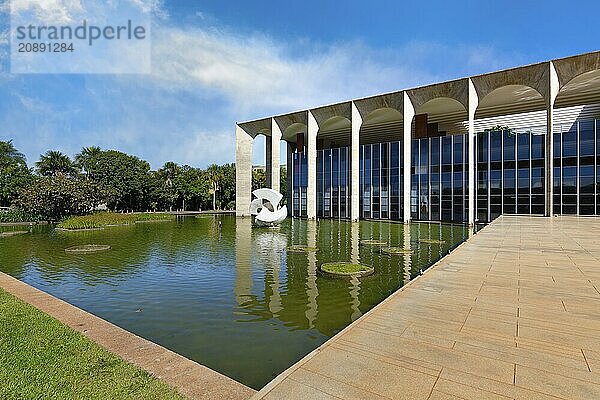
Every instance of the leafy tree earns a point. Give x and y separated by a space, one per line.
193 189
228 185
55 163
9 154
54 197
14 173
127 176
86 159
168 192
283 182
259 178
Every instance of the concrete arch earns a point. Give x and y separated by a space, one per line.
581 89
323 114
258 127
390 101
382 115
457 90
535 76
286 121
289 134
336 122
509 99
439 105
570 68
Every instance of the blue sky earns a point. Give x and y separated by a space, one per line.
215 63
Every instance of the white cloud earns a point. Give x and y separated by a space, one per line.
230 77
49 11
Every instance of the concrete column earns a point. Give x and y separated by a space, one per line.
311 146
473 103
549 181
243 171
268 160
355 164
289 171
408 114
275 154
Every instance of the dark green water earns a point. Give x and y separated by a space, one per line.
221 292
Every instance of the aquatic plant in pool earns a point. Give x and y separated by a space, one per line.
104 219
220 292
346 269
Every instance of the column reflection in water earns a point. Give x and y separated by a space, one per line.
355 240
355 302
312 290
243 261
407 258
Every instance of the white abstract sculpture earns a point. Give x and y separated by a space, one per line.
265 207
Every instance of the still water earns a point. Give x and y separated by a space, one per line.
224 293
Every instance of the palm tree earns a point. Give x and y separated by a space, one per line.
214 176
87 158
9 154
55 163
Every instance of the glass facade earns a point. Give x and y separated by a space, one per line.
299 183
510 176
510 172
439 181
381 172
333 183
576 169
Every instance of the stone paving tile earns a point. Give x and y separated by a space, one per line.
514 313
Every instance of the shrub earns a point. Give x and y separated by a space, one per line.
14 215
53 198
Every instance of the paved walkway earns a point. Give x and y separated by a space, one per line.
188 377
514 313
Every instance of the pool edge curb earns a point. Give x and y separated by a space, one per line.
188 377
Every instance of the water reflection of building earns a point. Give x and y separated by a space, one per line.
311 279
243 260
295 294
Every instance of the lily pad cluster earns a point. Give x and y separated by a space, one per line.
346 269
87 248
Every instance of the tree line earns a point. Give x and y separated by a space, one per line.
58 185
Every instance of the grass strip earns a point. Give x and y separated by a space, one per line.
42 358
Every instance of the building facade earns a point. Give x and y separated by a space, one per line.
520 141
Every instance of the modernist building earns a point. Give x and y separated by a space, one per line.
520 141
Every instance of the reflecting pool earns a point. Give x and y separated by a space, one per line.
224 293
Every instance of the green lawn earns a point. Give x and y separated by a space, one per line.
40 358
